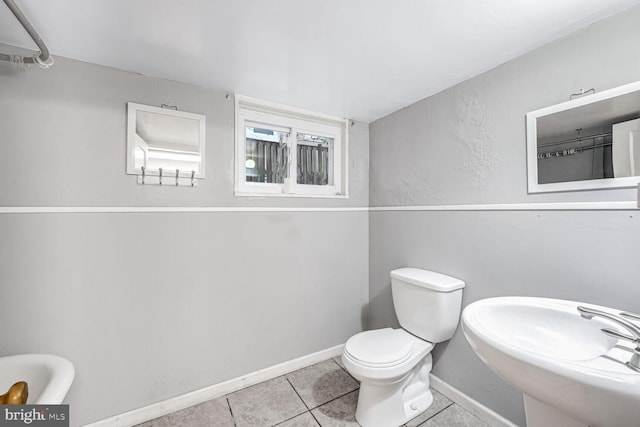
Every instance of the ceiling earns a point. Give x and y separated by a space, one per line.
360 59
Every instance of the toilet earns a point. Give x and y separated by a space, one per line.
393 365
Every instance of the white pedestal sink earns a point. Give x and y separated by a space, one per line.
48 377
571 374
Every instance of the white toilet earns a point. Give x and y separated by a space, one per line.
393 365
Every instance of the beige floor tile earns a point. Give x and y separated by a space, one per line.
265 404
439 403
338 360
338 413
304 420
318 384
214 413
325 387
454 416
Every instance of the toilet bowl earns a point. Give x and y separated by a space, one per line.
393 365
393 368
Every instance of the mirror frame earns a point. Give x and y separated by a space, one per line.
132 110
532 146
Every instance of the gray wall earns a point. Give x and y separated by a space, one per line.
466 145
64 141
149 306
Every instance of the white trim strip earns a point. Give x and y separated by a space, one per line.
156 410
161 209
476 408
288 195
568 206
159 409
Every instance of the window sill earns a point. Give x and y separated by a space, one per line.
290 195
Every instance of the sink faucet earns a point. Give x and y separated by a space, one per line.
634 330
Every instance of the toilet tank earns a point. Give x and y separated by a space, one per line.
427 303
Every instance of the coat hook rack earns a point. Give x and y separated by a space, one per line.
155 177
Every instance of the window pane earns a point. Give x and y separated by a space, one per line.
315 159
266 155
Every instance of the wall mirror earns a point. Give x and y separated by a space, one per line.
165 146
592 142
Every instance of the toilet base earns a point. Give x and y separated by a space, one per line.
391 404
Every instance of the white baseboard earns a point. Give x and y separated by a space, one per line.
476 408
159 409
177 403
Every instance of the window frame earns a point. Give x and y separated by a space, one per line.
278 117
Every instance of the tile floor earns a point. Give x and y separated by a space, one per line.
323 395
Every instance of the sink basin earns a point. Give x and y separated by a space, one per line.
570 372
49 377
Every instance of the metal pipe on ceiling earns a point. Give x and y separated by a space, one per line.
41 58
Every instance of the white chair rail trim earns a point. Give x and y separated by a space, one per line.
564 206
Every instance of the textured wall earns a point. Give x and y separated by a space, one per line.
466 145
149 306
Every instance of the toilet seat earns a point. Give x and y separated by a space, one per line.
383 354
381 348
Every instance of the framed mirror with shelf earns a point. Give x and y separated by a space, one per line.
165 146
588 143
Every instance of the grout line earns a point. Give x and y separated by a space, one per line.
342 395
230 411
316 407
444 409
289 419
436 414
314 417
301 399
339 366
329 401
345 369
336 398
298 394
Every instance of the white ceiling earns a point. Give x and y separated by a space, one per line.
360 59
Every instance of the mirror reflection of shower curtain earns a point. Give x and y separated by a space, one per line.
602 165
626 148
634 152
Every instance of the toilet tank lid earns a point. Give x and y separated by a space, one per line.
427 279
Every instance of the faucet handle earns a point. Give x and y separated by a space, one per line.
634 363
630 315
615 334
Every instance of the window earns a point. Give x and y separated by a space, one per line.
282 151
